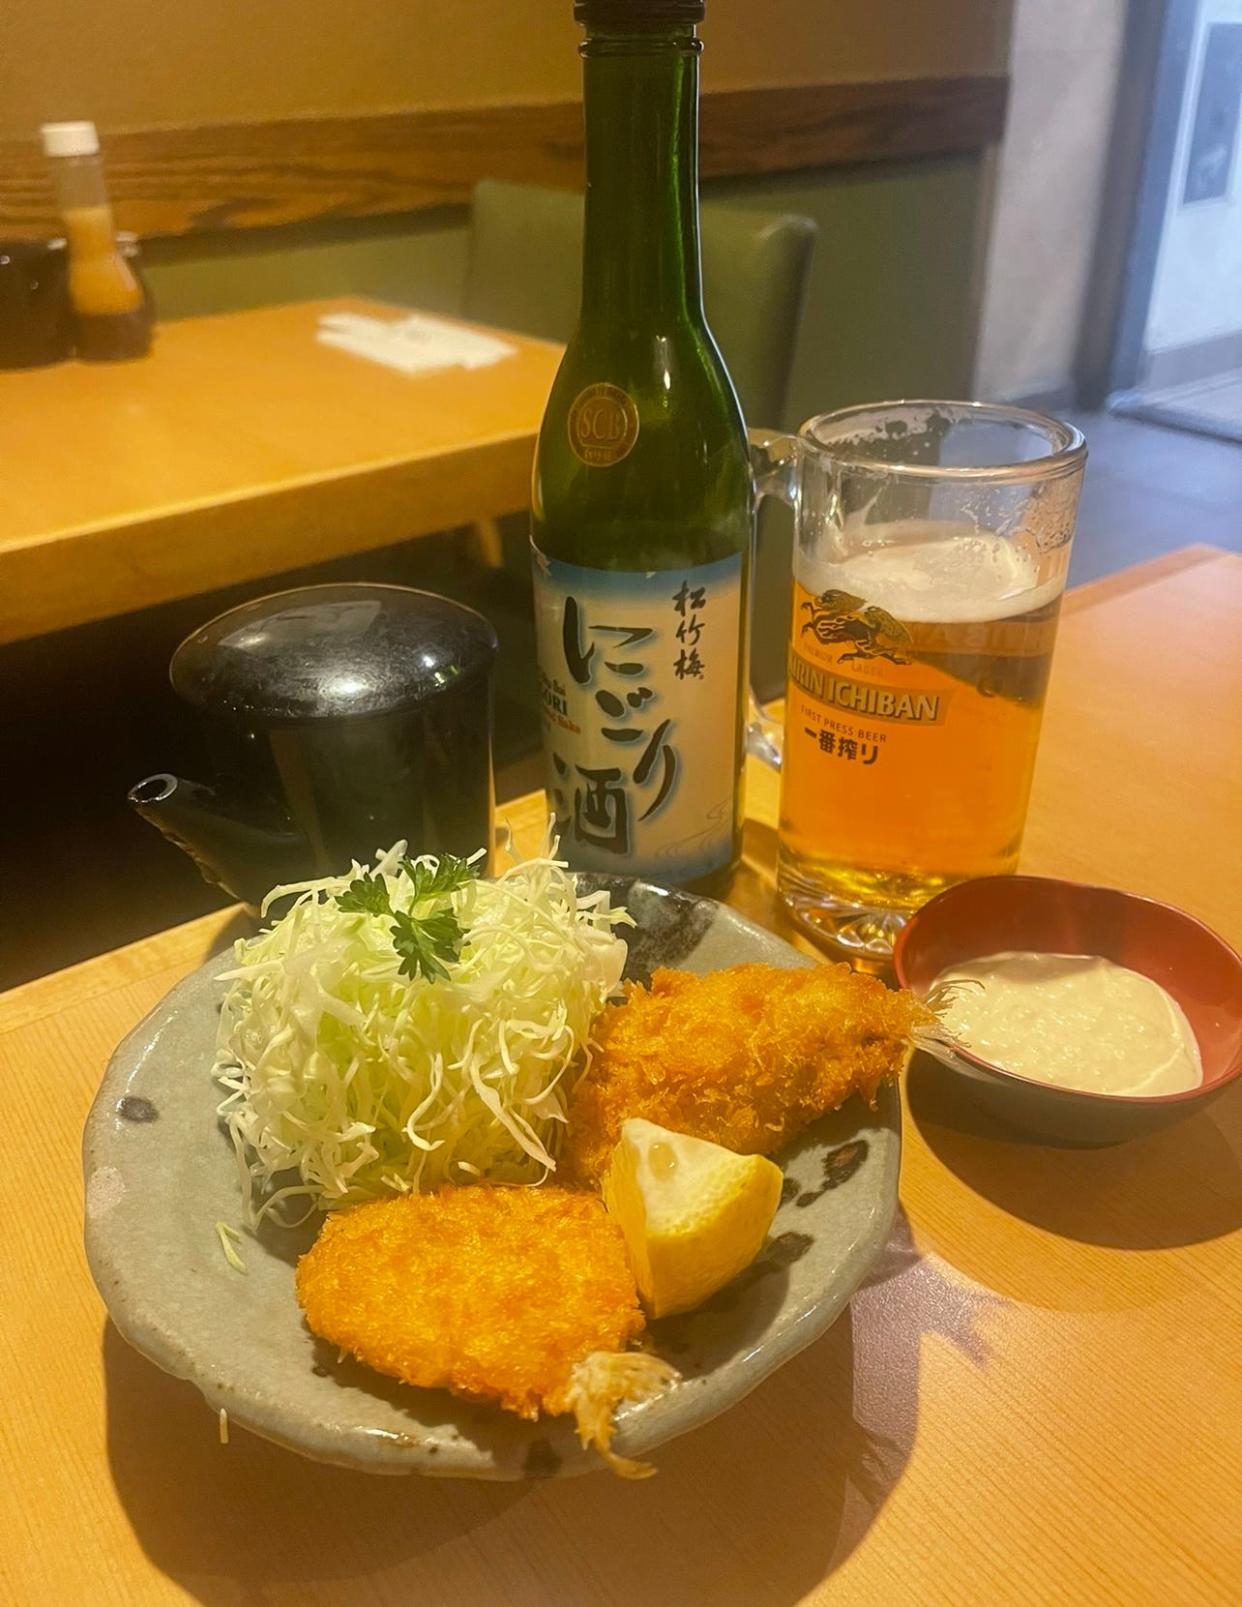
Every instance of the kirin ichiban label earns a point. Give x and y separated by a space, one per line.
852 658
603 425
639 685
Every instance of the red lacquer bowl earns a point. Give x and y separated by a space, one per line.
1185 957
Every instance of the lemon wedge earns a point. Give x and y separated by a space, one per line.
693 1214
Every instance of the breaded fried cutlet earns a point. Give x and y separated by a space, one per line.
745 1057
519 1295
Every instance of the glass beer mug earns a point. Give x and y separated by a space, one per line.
931 550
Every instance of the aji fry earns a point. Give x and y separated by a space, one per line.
519 1295
744 1057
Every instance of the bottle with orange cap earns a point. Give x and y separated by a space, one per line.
111 315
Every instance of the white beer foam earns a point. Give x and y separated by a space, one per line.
938 573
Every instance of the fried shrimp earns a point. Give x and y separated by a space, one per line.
519 1295
744 1057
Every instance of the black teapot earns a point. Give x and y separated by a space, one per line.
337 719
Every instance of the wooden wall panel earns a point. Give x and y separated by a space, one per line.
210 177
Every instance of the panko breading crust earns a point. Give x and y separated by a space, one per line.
494 1293
745 1057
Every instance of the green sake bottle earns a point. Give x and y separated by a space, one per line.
642 501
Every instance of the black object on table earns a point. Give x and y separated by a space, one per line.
338 719
36 326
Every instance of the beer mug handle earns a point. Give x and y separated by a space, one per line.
774 465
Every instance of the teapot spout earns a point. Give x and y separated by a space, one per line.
245 855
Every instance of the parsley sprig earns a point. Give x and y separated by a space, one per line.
365 895
434 881
426 942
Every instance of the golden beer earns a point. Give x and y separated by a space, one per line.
917 672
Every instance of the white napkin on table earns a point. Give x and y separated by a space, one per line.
417 344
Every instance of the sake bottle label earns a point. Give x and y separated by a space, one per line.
639 678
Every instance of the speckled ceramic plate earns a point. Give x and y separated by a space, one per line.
160 1174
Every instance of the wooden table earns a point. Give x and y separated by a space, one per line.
242 447
1037 1398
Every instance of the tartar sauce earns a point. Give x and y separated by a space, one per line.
1074 1020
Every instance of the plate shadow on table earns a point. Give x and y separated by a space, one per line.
764 1500
227 1520
1179 1186
774 1496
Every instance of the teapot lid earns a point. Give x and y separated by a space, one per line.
333 652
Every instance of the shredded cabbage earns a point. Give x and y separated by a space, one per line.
348 1080
228 1237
